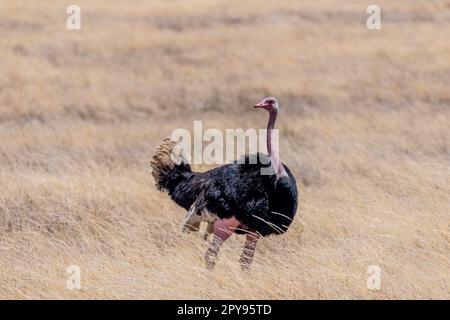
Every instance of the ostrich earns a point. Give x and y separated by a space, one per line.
235 197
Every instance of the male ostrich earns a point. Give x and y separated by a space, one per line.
235 197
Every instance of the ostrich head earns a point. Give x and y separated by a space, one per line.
270 104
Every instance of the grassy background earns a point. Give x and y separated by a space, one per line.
365 128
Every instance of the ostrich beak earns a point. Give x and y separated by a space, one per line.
262 104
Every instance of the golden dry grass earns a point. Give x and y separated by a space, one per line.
365 128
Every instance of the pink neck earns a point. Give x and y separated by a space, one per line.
274 156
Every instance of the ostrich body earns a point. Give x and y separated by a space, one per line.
235 197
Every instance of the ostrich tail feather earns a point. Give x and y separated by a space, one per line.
168 164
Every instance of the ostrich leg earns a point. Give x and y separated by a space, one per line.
249 250
223 229
209 230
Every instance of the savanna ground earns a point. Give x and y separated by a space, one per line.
365 128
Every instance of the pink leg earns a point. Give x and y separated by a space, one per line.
249 250
223 229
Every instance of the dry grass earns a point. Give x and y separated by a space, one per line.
365 128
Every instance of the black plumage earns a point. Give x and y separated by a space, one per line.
262 203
